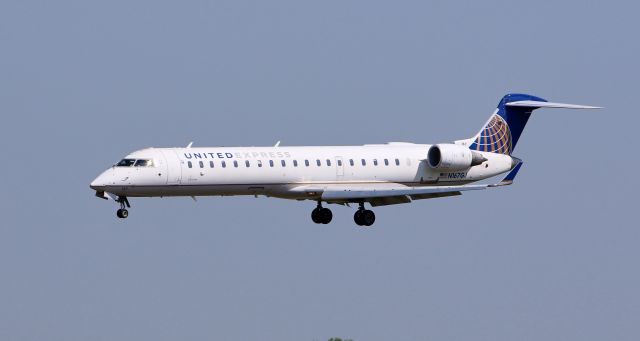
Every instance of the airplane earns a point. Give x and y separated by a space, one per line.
377 174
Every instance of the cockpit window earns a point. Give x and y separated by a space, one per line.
144 163
126 163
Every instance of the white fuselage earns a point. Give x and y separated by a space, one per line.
377 175
281 171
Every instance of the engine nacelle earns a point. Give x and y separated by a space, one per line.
453 157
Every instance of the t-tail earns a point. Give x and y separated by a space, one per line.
503 129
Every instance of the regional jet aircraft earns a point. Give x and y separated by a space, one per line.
377 174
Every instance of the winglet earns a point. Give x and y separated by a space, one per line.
508 180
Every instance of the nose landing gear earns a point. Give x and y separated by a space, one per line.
364 217
321 215
122 212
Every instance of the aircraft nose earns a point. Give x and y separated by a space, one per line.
101 181
97 183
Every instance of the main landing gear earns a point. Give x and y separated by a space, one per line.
364 217
321 215
122 212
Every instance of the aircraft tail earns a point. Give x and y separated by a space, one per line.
503 129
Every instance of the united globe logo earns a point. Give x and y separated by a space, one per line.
495 137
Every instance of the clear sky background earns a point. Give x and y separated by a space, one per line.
83 83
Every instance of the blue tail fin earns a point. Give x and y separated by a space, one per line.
502 132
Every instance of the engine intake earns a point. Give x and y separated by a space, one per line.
453 157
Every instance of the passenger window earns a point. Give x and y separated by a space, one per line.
328 162
189 164
235 163
283 163
339 163
386 162
126 163
306 163
259 163
295 163
201 164
318 163
364 163
224 164
270 163
211 164
375 162
397 162
351 162
247 164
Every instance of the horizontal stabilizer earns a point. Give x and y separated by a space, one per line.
540 104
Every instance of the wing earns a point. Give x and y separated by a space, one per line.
380 194
390 194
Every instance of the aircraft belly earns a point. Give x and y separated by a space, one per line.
198 190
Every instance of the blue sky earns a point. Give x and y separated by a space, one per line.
82 83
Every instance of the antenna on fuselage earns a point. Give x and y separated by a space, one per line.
277 144
190 144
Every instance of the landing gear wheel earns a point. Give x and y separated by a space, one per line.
357 217
368 218
124 202
315 216
122 213
325 215
321 215
364 217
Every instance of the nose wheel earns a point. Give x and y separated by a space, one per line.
364 217
321 215
122 213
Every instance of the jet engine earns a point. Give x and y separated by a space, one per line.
447 156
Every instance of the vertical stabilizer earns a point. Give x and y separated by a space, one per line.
503 129
502 132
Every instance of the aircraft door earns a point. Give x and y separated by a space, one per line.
173 166
339 167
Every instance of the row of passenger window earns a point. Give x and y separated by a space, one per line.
283 163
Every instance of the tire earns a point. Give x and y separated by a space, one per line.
368 218
325 215
124 213
119 213
357 217
316 216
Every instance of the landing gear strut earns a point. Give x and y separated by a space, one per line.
321 215
122 212
364 217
